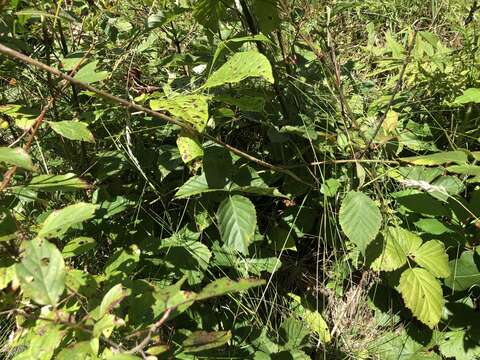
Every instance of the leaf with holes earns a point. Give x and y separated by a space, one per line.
422 294
239 67
432 256
73 130
189 147
191 108
237 220
59 221
78 246
360 219
41 272
17 157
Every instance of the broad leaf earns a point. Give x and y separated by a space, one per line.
112 299
59 221
239 67
237 220
203 340
226 286
432 256
360 219
464 272
441 158
88 73
41 272
191 108
422 294
189 147
78 246
459 346
471 95
17 157
73 130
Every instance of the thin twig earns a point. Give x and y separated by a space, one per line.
130 105
397 88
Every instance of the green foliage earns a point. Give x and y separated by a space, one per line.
320 199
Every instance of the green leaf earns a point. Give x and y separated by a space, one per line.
208 13
471 95
89 75
80 351
464 272
112 299
78 246
432 256
196 185
8 225
239 67
440 158
189 147
330 187
123 263
267 14
203 340
360 219
422 294
41 272
398 245
73 130
237 220
66 182
459 346
224 286
17 157
469 170
313 319
44 339
59 221
244 103
191 108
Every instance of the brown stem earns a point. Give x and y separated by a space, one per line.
130 105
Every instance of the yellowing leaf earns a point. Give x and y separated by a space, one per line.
240 66
391 121
189 147
422 294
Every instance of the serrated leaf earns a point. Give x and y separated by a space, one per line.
464 271
89 75
41 272
59 221
17 157
360 219
226 286
422 294
399 244
432 256
203 340
73 130
239 67
191 108
78 246
189 147
65 182
237 220
440 158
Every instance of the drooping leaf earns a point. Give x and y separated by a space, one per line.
432 256
41 272
240 66
226 286
440 158
360 219
422 294
203 340
66 182
237 220
191 108
88 73
17 157
59 221
112 299
78 246
464 271
73 130
189 147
